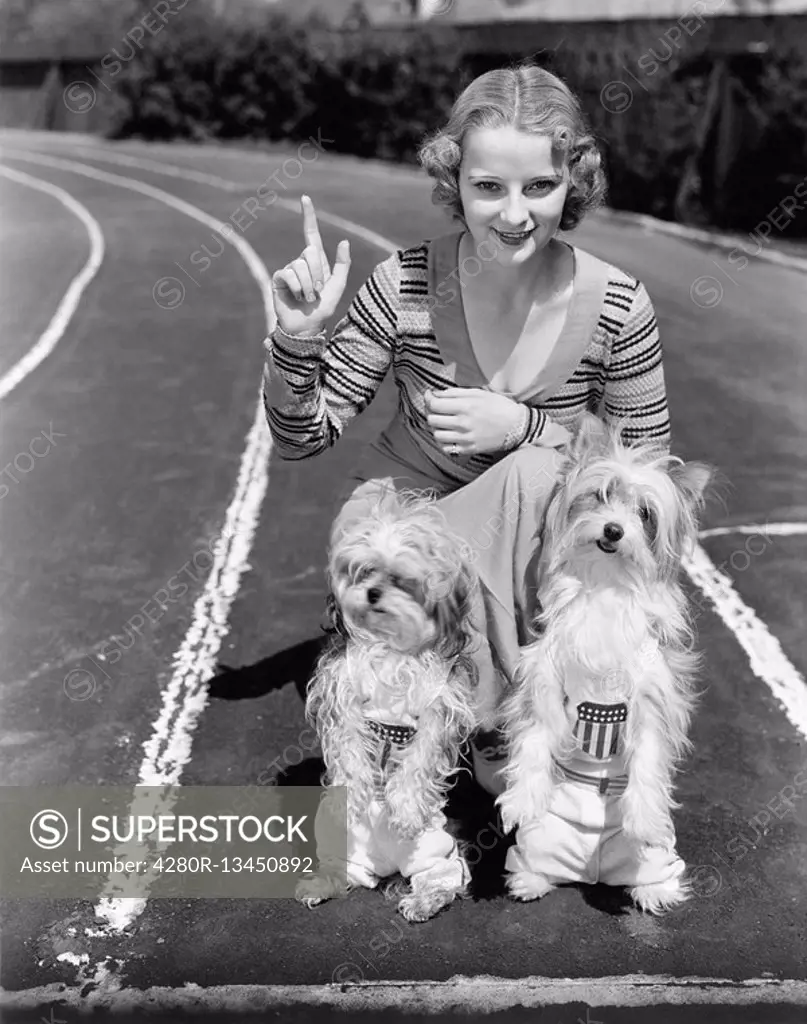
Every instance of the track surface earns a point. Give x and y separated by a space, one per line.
149 410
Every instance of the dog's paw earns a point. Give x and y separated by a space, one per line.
510 820
525 886
316 889
658 897
420 906
524 802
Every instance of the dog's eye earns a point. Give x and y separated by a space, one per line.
644 513
365 572
605 494
401 583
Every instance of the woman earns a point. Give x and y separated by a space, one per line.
499 335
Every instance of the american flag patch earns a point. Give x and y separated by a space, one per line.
598 727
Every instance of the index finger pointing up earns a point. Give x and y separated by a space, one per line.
312 235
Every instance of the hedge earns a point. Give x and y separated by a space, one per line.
269 78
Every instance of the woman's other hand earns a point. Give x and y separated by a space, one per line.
466 421
307 290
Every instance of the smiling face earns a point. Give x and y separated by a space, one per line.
512 188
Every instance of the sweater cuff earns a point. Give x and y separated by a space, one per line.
305 346
543 431
516 437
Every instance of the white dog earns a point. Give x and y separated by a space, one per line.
599 714
393 702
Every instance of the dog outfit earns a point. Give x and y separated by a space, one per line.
580 838
374 849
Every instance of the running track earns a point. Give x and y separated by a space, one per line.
158 462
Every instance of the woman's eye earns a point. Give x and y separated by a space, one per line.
486 186
542 187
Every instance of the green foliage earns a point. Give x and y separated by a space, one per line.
771 167
268 77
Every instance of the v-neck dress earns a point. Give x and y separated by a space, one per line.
406 449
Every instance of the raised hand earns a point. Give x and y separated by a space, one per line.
307 290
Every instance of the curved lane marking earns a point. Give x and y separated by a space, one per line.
246 190
71 298
168 749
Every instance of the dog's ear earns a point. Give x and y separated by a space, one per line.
453 612
691 479
590 434
335 615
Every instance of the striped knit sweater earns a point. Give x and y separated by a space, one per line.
313 389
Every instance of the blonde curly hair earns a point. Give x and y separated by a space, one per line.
531 99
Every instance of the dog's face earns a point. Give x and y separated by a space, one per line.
630 504
397 577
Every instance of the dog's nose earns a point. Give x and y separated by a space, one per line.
613 532
374 595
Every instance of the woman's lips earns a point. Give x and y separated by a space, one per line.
513 238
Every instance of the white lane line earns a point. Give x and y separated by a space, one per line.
83 146
483 994
71 298
770 529
168 749
245 191
765 654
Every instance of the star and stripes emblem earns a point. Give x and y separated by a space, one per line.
599 726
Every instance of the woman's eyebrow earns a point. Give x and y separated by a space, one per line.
550 176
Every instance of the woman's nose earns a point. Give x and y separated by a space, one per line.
515 211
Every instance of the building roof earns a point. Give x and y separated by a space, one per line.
83 31
379 12
627 10
475 12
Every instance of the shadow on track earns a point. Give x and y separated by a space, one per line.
293 665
